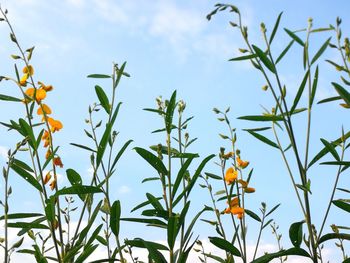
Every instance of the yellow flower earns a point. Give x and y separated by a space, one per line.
23 80
242 164
28 70
44 108
55 124
230 175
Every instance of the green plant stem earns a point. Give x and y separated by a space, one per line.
171 250
6 208
333 193
259 235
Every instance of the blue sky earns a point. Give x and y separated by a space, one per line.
170 45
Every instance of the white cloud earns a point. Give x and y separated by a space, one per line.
3 152
124 189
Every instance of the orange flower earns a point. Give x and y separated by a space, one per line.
40 94
48 154
46 88
28 70
47 178
55 124
230 175
58 162
228 155
249 190
53 184
234 202
46 138
44 108
243 183
242 164
239 211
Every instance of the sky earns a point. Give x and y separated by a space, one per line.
169 45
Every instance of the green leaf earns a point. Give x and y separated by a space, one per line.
115 218
320 51
103 143
329 99
102 97
284 51
261 54
314 87
294 36
143 204
153 160
225 245
82 147
190 185
257 129
20 215
272 210
342 205
150 179
261 118
27 225
9 98
26 176
296 233
73 177
88 250
180 175
331 149
78 190
50 209
252 215
120 153
28 131
213 176
154 202
22 165
300 91
99 76
330 236
172 230
170 113
275 28
295 251
138 242
251 56
193 222
336 163
264 139
342 92
324 151
150 221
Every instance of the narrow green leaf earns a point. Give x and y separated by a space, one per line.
252 215
154 202
99 76
264 139
27 225
213 176
20 215
78 190
170 112
115 218
336 163
103 143
82 147
143 204
180 175
26 176
342 92
272 210
88 250
120 153
330 236
275 28
257 129
331 149
284 51
138 242
261 54
261 118
296 233
295 251
28 131
150 179
342 205
9 98
295 37
300 91
153 160
73 177
172 230
150 221
251 56
314 87
22 165
329 99
102 97
320 51
225 245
